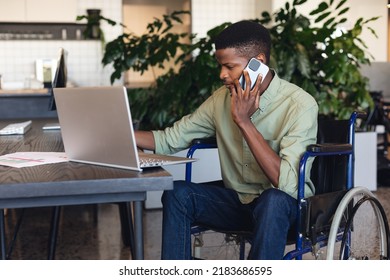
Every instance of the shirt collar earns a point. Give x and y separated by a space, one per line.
269 94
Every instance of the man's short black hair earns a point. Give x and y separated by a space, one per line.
247 37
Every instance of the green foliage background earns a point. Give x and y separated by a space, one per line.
310 55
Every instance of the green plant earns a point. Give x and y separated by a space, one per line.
139 53
313 57
322 59
177 92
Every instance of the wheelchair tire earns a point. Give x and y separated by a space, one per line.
359 228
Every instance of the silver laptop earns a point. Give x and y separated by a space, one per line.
97 128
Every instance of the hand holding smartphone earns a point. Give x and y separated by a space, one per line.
254 68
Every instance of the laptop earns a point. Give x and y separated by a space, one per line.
59 81
97 128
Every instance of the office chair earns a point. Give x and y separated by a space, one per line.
379 117
336 196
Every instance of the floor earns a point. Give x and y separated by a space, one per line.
93 233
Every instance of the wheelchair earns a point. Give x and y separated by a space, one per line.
340 221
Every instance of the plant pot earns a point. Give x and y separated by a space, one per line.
94 31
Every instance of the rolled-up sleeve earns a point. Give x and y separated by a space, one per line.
302 133
179 137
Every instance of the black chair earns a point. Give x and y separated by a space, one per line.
380 116
332 174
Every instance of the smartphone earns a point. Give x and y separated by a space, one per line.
254 68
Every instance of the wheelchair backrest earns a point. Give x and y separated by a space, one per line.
329 173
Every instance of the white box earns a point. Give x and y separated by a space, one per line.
366 160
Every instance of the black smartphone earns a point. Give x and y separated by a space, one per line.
254 68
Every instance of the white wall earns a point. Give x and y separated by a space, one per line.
358 8
207 14
17 60
17 57
31 10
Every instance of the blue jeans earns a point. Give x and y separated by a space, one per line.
269 217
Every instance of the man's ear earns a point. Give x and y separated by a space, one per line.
262 58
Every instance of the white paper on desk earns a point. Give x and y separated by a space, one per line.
27 159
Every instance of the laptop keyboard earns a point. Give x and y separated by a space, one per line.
149 160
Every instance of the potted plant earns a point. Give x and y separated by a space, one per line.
93 29
313 57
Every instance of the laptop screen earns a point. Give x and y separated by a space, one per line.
60 77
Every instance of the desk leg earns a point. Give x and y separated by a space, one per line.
53 232
139 238
2 234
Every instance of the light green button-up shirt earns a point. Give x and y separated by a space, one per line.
287 119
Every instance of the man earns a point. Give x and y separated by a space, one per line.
261 135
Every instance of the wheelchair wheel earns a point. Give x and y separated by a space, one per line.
359 228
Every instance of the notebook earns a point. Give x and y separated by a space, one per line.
97 128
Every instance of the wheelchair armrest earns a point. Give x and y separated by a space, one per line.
314 150
361 115
329 148
198 141
201 143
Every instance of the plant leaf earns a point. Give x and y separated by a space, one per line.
321 7
342 2
343 11
321 17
